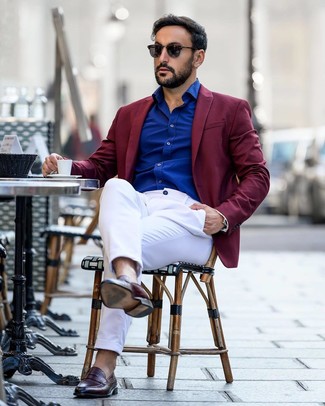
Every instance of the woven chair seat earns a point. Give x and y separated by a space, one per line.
70 231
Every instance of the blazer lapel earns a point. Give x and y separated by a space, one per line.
201 113
139 116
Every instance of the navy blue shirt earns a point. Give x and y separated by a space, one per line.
164 158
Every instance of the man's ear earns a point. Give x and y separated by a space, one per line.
199 56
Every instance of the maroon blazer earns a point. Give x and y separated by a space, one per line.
227 161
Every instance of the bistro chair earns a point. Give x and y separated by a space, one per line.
183 273
75 212
56 236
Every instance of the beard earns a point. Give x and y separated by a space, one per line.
177 79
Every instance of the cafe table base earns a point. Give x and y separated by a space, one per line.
15 393
35 319
33 338
17 358
25 364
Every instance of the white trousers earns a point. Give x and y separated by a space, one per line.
154 229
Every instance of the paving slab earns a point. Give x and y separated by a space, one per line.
274 374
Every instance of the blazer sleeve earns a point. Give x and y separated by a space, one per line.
252 179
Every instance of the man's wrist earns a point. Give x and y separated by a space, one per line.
224 222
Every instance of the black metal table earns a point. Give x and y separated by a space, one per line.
17 358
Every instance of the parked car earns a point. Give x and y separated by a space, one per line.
306 181
283 149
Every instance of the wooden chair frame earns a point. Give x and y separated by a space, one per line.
159 289
5 310
55 237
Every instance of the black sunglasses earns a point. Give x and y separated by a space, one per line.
173 50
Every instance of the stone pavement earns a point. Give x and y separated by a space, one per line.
272 310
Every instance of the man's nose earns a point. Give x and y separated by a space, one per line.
164 55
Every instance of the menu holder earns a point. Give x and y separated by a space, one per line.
10 145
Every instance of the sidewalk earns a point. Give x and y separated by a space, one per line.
272 310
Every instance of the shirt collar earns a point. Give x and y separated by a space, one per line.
193 91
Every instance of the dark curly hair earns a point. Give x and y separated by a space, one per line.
198 34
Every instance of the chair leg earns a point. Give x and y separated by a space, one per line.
6 305
175 330
67 248
154 324
94 323
217 331
52 269
3 321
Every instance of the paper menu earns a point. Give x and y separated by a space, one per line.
10 145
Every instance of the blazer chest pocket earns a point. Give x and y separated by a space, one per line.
214 124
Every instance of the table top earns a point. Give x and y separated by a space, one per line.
85 184
32 187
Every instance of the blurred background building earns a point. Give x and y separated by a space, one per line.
107 41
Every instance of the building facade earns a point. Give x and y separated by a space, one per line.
114 66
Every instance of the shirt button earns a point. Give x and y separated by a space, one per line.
165 192
168 143
172 125
158 164
159 181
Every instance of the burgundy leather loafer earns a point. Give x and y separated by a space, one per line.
95 385
129 296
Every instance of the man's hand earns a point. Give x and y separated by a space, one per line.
213 220
50 165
